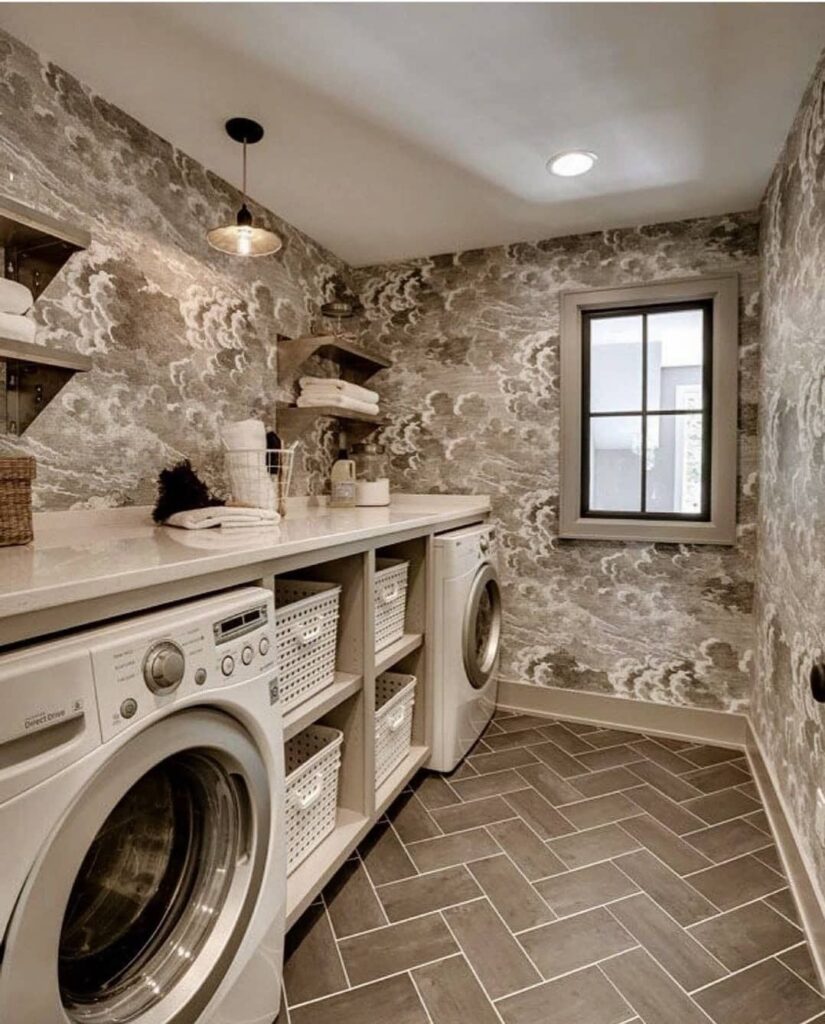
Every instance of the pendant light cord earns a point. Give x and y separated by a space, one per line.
243 193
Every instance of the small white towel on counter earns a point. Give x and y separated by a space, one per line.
14 327
343 387
14 298
337 401
245 434
227 517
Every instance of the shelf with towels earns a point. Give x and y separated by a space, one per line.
294 419
357 365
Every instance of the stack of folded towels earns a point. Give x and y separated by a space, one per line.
15 301
320 391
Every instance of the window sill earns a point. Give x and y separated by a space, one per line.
651 531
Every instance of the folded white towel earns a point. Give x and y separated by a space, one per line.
244 434
227 516
344 386
14 297
338 401
14 327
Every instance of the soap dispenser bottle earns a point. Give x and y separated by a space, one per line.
342 478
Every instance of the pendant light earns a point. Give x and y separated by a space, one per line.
242 238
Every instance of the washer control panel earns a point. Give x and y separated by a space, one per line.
165 657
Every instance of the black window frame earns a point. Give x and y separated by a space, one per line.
644 310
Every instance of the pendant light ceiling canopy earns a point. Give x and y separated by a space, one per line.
242 238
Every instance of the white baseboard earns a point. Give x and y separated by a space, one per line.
799 872
704 726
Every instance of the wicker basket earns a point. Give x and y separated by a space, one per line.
390 600
306 631
16 477
313 760
394 700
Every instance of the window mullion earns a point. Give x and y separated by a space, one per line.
643 505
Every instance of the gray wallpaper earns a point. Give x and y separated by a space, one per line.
182 337
475 402
790 616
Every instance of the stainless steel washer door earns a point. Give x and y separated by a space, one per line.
481 633
145 891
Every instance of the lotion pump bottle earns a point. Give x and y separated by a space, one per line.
342 478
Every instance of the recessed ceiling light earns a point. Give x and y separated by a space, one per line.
571 162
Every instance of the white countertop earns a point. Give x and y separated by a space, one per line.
81 555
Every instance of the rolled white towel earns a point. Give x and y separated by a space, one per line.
224 516
243 435
14 327
14 297
337 401
344 386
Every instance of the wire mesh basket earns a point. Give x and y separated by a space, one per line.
260 477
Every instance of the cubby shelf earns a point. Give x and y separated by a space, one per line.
398 779
388 656
344 685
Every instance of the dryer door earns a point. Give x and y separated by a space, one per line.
145 889
481 633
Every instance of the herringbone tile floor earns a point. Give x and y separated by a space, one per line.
564 874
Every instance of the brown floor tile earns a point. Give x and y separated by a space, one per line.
451 994
489 785
667 759
457 848
433 791
674 816
554 757
551 786
511 894
767 993
485 763
759 820
673 786
800 962
384 857
720 776
311 965
705 756
541 816
472 814
585 997
672 947
770 857
600 810
610 757
391 1001
650 992
585 888
750 789
522 738
464 771
397 947
497 959
730 839
722 806
525 849
425 893
783 903
575 942
612 737
735 882
666 888
517 723
671 744
667 846
411 820
566 740
351 902
580 728
610 780
593 845
741 937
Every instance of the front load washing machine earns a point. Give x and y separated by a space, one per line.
466 629
142 860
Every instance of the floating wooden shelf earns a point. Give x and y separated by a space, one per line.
388 656
345 685
356 364
293 419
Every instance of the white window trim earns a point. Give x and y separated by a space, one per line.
721 528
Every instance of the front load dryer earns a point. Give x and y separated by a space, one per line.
142 860
466 629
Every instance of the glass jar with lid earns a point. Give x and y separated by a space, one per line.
372 485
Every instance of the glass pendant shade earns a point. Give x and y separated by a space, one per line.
242 238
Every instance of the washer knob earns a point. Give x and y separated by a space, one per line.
263 645
247 654
163 667
228 665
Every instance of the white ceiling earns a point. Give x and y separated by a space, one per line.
406 129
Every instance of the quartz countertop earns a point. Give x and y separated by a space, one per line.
79 555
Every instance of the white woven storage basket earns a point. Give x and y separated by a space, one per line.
306 632
390 600
394 700
313 760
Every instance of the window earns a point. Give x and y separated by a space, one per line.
649 396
